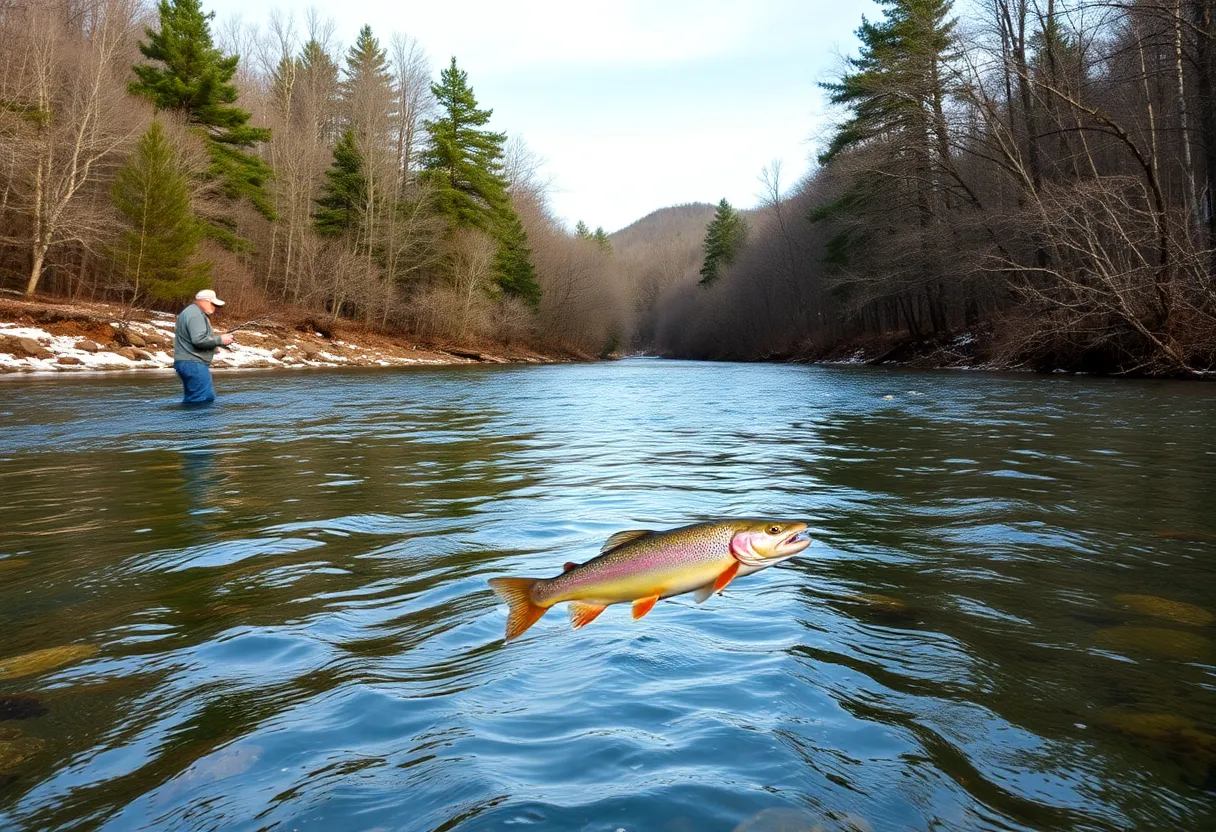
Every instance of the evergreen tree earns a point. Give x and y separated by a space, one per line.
194 80
463 161
367 84
895 93
464 165
513 263
725 236
895 84
155 250
582 231
601 239
344 191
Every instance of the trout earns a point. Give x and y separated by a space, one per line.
641 566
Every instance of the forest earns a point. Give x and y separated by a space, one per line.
1027 182
1032 178
146 152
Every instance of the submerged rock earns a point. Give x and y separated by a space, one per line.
1175 737
1155 641
20 707
13 563
16 751
1179 612
48 659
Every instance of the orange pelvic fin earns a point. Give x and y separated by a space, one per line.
583 614
568 565
523 613
644 605
726 577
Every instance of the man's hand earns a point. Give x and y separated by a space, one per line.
227 339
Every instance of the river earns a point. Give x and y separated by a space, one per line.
273 613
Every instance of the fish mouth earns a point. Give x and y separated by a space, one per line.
793 543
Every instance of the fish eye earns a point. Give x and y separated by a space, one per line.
774 530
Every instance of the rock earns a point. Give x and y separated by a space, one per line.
1179 612
1155 641
141 355
136 340
17 750
277 355
18 706
127 353
219 364
32 348
68 360
48 659
87 346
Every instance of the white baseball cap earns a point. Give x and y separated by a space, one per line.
209 294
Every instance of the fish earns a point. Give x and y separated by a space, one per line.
642 566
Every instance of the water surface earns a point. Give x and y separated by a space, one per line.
279 617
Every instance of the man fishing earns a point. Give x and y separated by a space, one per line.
194 345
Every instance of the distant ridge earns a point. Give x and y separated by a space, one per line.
666 224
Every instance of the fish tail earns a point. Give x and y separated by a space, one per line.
524 612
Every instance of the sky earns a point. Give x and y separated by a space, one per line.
633 105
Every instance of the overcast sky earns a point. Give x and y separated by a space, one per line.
633 105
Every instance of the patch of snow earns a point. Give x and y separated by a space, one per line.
25 332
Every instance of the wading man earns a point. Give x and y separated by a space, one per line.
194 344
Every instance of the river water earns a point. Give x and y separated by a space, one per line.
273 614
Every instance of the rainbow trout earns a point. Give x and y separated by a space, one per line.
641 566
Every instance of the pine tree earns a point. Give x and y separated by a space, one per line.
601 239
895 93
582 231
513 263
366 87
344 191
463 161
194 81
895 84
464 165
154 253
725 236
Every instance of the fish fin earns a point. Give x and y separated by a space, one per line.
703 593
621 538
568 565
644 605
726 577
523 612
583 614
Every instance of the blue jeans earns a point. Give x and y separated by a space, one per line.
196 381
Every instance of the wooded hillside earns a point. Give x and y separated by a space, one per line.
1039 174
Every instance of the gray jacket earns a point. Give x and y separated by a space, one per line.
193 337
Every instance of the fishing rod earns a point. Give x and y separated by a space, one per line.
251 322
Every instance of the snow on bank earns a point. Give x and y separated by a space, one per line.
31 349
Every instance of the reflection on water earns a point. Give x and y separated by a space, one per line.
274 613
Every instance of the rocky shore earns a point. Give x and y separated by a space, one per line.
52 337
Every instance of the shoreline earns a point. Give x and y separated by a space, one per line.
48 338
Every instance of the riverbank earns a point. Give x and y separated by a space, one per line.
58 337
964 351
